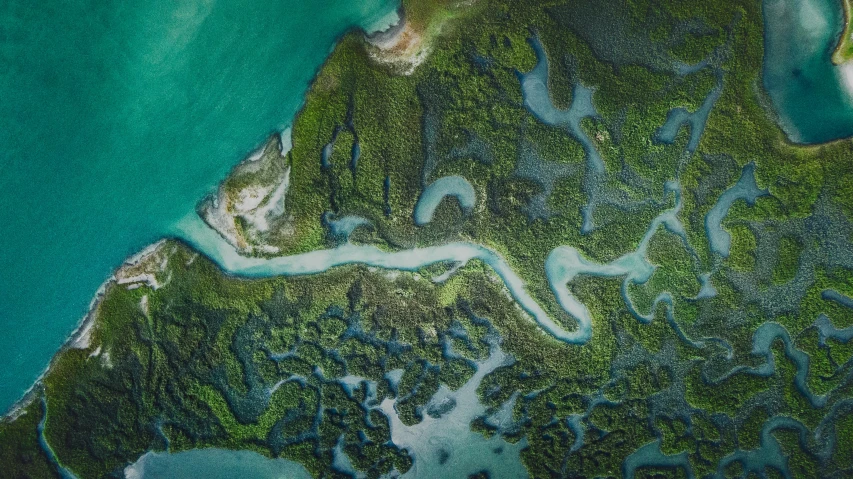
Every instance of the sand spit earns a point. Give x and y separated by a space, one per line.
250 204
841 55
258 207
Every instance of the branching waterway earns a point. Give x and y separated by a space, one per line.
565 263
437 442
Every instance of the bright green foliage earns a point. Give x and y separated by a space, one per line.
195 368
20 453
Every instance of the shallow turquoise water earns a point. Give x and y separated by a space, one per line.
116 120
448 186
719 240
813 97
213 464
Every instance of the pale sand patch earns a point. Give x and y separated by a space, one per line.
82 336
250 198
106 360
144 268
143 305
846 73
245 214
404 46
405 49
256 155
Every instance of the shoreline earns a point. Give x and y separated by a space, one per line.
845 42
844 73
403 47
783 140
229 355
387 37
78 339
81 336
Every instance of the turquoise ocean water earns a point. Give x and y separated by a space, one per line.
116 118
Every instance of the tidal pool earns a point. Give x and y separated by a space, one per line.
719 240
678 117
443 444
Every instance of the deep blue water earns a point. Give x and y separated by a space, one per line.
116 118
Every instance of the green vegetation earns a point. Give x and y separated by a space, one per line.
20 453
200 361
844 51
187 369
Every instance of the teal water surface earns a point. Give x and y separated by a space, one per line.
812 97
213 464
116 118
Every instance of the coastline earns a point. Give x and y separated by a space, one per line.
78 339
782 139
407 44
81 336
401 46
388 35
841 71
843 52
383 331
